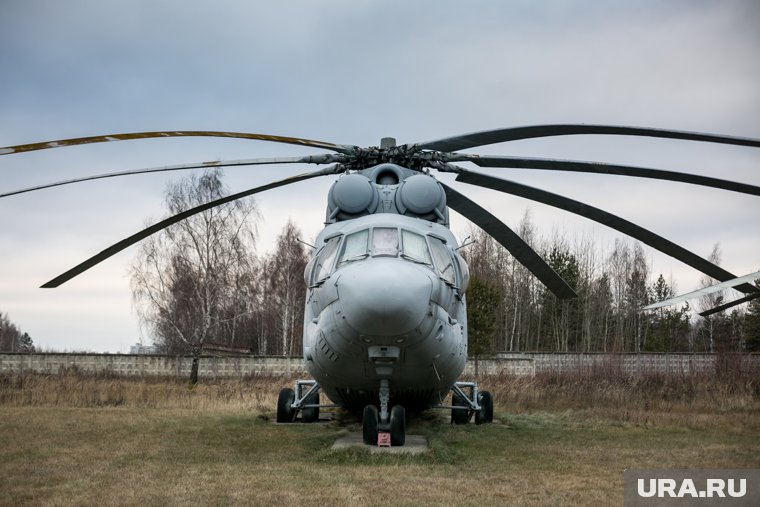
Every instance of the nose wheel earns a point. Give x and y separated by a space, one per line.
372 426
375 422
398 426
370 421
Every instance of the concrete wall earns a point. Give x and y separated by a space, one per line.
154 365
631 363
231 367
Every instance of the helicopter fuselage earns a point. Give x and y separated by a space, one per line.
385 302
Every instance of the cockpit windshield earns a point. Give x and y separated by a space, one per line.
384 241
415 247
442 259
354 247
325 259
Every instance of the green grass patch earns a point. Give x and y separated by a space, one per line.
557 441
132 456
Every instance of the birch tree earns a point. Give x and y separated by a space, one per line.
184 278
284 298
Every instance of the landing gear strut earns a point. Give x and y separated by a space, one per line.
290 402
465 405
384 421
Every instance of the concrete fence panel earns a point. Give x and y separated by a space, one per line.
240 366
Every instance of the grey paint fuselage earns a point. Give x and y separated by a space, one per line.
385 316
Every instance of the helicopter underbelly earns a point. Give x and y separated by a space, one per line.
393 322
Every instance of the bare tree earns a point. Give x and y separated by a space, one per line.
185 280
12 339
637 296
9 334
282 275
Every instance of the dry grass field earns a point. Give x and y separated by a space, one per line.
559 440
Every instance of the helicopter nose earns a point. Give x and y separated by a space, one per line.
384 297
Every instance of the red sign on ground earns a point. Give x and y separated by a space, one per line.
383 439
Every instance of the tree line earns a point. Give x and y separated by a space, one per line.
201 282
513 312
11 337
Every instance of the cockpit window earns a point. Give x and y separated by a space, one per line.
464 273
415 247
384 241
326 259
442 259
354 247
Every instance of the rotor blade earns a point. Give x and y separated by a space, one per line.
121 245
535 131
519 249
311 159
340 148
704 291
728 305
600 168
603 217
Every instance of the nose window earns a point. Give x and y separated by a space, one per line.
415 248
354 247
384 241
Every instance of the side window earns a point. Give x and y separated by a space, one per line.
415 247
326 259
384 241
464 273
442 258
354 247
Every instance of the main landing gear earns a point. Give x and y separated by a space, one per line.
290 402
382 423
466 402
465 405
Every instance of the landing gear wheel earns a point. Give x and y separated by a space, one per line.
285 412
369 425
459 415
398 425
310 414
485 414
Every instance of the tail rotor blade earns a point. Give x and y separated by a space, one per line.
730 304
703 291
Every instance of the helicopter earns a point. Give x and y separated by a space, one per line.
385 320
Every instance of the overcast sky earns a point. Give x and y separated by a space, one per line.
352 72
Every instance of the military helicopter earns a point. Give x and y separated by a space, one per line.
385 326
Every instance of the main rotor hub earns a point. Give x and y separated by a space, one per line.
387 153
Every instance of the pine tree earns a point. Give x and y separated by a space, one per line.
482 299
25 343
668 327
